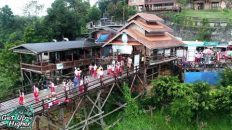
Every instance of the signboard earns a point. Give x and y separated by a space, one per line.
21 117
123 49
136 61
59 66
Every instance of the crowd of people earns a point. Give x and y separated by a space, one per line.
79 82
208 56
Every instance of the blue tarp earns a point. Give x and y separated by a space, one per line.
209 77
102 38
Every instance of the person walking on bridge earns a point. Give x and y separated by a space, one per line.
95 71
52 88
21 97
36 94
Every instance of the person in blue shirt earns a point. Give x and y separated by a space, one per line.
76 82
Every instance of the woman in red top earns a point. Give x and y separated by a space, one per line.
21 97
36 94
52 88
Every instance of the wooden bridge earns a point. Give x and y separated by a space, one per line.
100 88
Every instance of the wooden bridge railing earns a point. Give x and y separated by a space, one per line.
31 67
159 58
66 64
71 94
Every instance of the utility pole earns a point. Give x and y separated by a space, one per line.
124 11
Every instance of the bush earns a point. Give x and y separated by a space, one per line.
162 90
226 77
189 102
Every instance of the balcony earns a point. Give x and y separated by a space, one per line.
159 59
50 67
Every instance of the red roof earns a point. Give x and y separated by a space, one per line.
147 17
152 33
154 27
154 42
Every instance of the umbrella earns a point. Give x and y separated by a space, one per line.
208 51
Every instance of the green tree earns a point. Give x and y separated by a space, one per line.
94 14
9 69
37 32
226 76
6 17
162 90
6 23
66 18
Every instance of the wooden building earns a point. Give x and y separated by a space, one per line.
153 5
151 42
53 58
147 34
208 4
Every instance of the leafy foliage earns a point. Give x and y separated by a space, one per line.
66 18
132 109
94 14
162 90
9 69
118 9
226 76
204 31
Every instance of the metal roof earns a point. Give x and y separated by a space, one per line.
36 48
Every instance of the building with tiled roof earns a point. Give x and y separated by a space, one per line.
153 5
147 31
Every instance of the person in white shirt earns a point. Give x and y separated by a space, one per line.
95 71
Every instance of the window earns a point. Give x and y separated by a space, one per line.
215 4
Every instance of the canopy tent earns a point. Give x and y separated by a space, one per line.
102 38
212 44
193 44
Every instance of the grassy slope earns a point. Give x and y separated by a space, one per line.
161 122
224 14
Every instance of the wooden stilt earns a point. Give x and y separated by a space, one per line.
37 120
85 113
159 67
62 118
103 124
145 70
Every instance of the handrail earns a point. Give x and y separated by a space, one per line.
62 94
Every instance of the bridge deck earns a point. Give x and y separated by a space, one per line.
43 94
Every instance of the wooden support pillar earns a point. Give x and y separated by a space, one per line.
175 51
72 56
22 76
84 53
86 116
145 69
49 125
61 118
41 64
152 73
103 124
159 67
37 120
163 52
30 77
